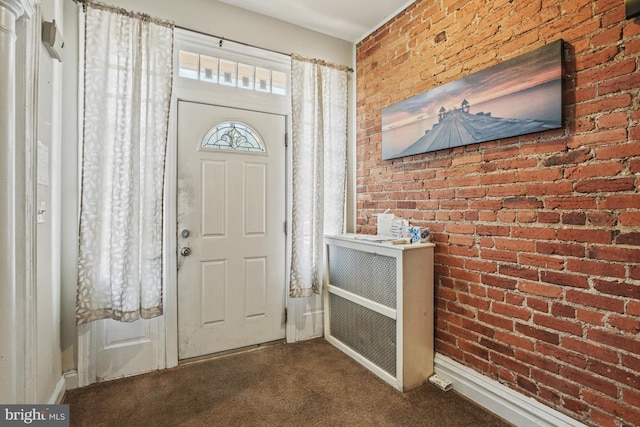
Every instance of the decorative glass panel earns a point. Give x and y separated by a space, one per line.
208 69
279 85
228 72
263 80
189 64
245 76
233 136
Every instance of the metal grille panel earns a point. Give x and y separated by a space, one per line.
367 332
368 275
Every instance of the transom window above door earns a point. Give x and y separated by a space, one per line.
234 136
231 73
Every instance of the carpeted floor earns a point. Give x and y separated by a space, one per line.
310 383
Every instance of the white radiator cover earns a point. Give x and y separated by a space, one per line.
379 307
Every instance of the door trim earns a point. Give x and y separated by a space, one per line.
186 92
171 227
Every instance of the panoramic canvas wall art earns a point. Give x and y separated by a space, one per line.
519 96
632 8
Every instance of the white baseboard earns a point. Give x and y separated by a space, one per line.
58 393
71 379
512 406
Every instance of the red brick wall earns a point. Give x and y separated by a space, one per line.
538 236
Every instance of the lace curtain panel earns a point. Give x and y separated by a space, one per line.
127 91
319 156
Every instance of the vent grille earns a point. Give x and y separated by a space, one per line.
367 332
368 275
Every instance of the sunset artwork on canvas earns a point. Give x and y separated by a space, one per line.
519 96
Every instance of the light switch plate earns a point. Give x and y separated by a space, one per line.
42 208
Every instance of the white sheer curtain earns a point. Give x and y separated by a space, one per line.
319 98
127 91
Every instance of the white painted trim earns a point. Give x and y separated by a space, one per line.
351 205
86 354
71 379
364 302
499 399
381 373
400 317
30 7
314 313
170 249
58 393
305 318
31 233
199 91
14 6
196 91
291 332
22 28
28 28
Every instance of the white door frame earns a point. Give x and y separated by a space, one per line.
19 51
196 91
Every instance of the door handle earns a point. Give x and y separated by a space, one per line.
185 251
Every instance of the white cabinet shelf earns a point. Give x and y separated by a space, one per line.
379 308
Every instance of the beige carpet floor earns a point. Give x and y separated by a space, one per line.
310 383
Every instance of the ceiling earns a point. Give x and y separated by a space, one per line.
349 20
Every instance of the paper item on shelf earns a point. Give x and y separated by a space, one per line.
385 223
399 226
370 237
401 241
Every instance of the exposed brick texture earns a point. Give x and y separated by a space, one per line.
538 236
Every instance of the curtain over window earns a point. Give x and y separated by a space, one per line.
319 120
127 91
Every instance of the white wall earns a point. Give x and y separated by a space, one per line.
69 178
207 16
48 369
219 19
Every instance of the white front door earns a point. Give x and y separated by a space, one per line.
231 228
